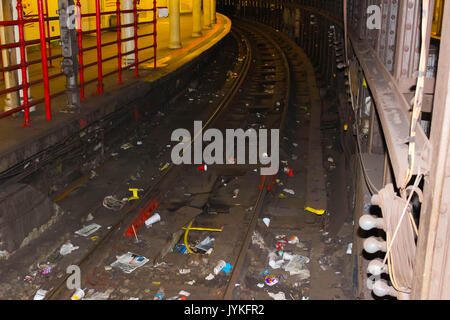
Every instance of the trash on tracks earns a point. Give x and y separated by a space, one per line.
223 266
67 248
78 294
152 220
271 280
40 294
112 203
277 296
88 230
159 295
129 262
318 212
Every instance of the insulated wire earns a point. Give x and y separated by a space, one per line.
418 98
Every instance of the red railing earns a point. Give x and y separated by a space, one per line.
119 41
53 87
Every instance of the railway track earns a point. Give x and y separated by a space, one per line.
257 98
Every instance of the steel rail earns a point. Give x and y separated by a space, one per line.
238 269
153 191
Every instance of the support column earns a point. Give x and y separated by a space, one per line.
213 12
128 32
174 24
196 18
207 14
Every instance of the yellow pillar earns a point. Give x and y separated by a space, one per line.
196 18
174 24
213 12
207 14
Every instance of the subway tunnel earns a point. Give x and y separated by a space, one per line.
224 150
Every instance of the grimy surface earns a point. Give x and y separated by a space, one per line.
209 197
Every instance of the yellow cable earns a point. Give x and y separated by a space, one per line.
186 236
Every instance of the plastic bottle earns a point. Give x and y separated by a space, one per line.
220 265
159 295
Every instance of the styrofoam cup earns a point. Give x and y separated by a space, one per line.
153 219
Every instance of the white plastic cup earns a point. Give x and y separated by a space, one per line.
78 295
153 219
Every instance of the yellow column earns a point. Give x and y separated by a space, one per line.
174 24
196 18
213 12
207 14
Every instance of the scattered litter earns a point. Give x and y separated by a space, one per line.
88 230
295 144
184 293
289 172
114 154
153 219
290 191
191 283
107 268
235 193
281 243
206 244
227 268
139 143
282 196
258 240
180 248
40 294
296 265
316 211
260 285
276 264
209 277
237 284
271 280
203 167
4 254
129 262
184 271
277 296
132 298
266 222
287 256
220 265
90 217
100 295
349 248
126 146
324 262
110 202
47 270
164 167
67 248
78 295
159 295
294 240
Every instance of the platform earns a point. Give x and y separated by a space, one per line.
18 143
